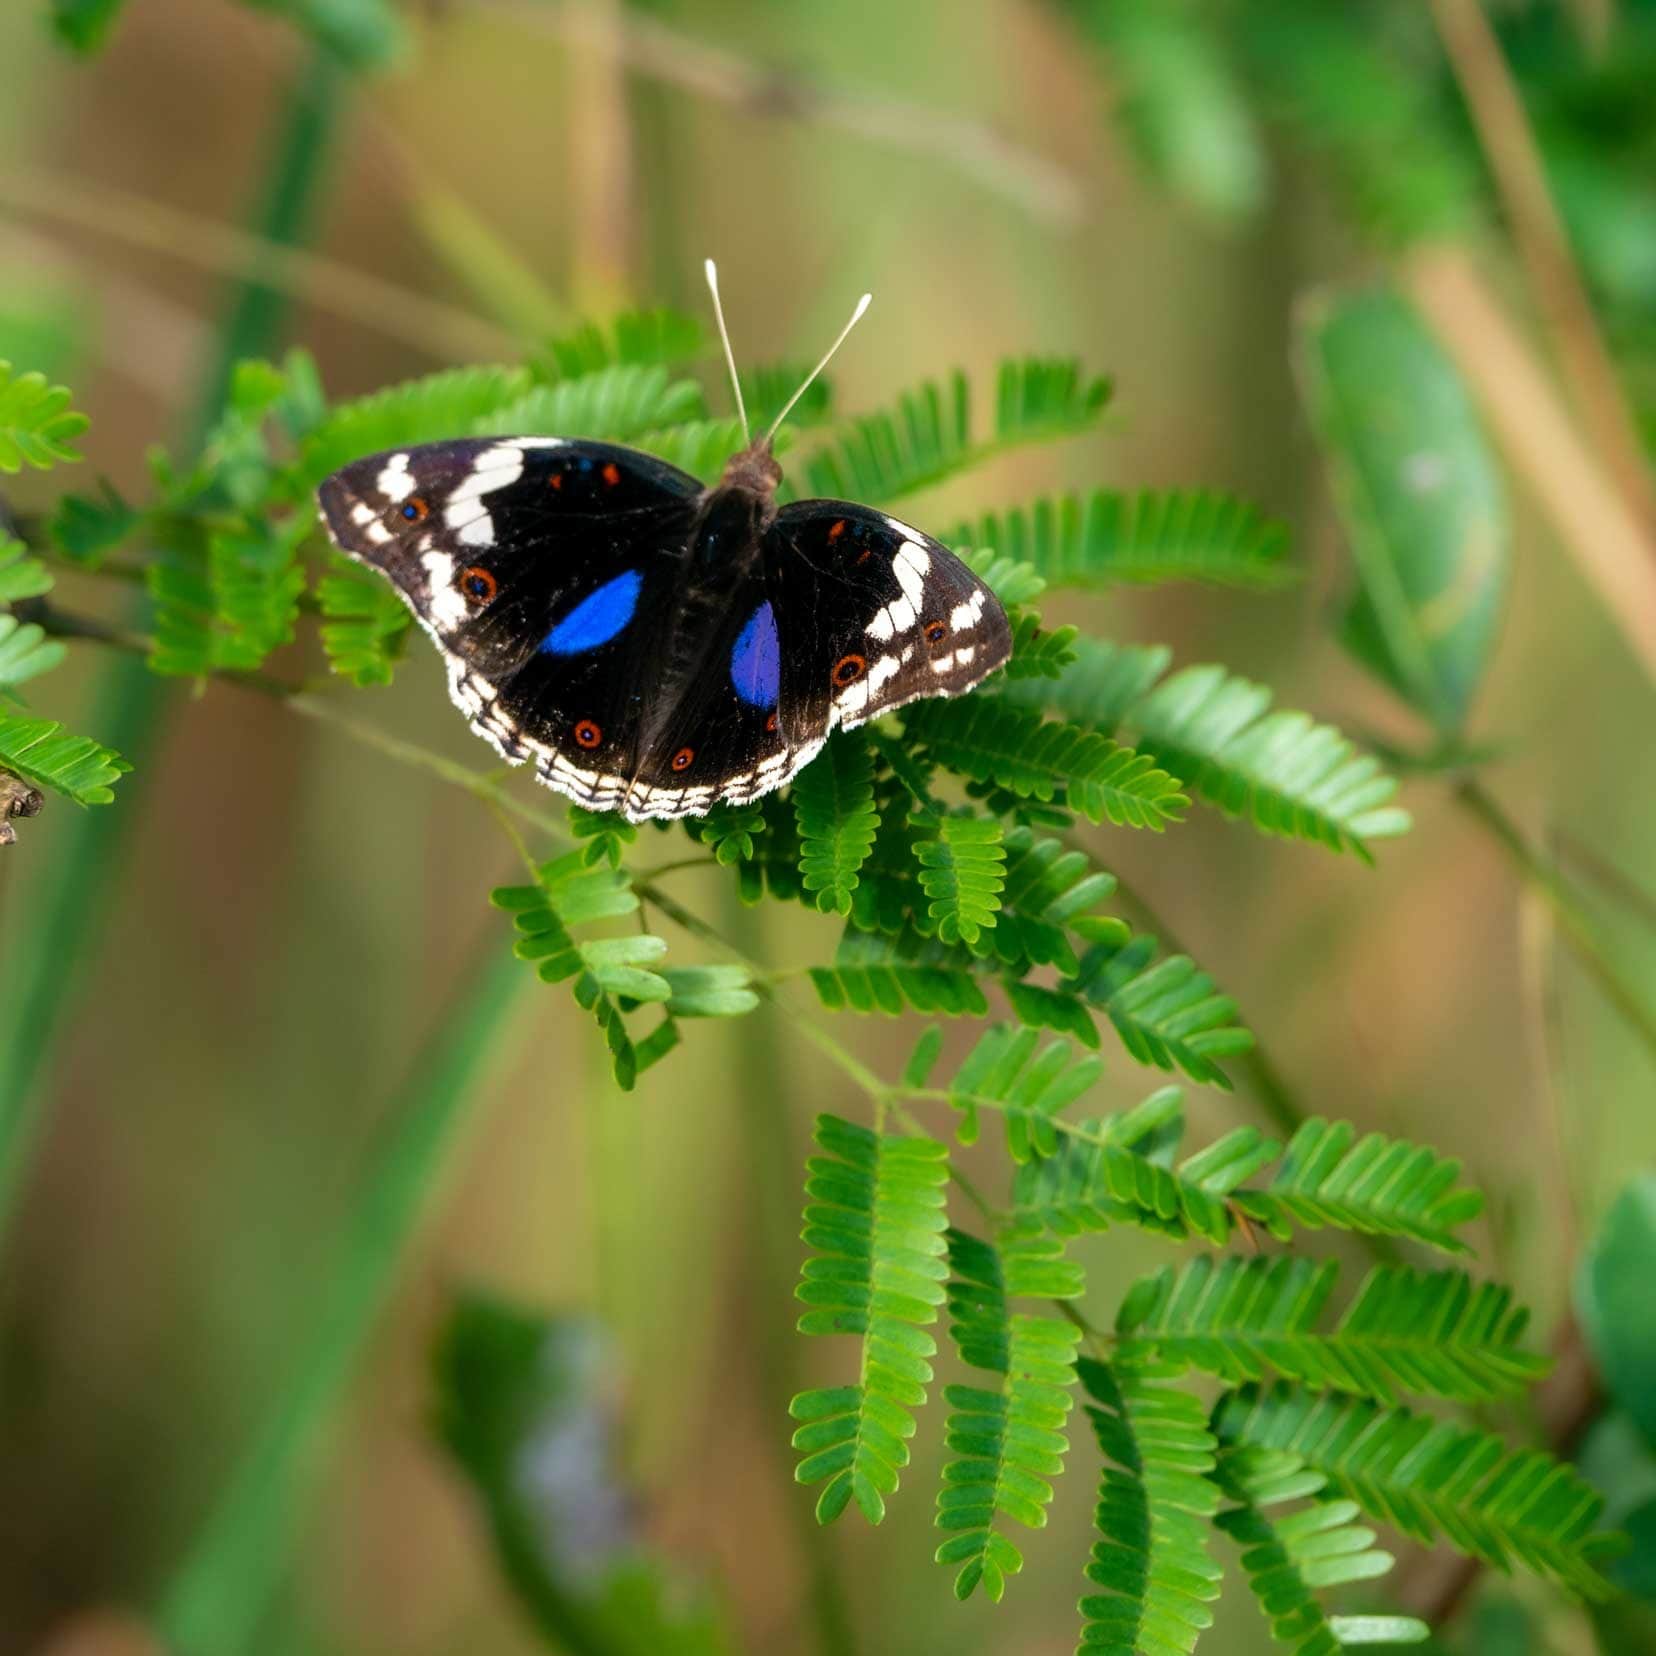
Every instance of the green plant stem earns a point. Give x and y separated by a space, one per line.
1574 924
130 701
214 1603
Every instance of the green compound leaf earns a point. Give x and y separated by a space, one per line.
607 972
20 575
1431 1332
1155 1501
47 756
417 411
991 741
364 623
25 652
1108 539
613 404
947 990
1009 1073
640 338
37 426
874 1221
1008 1442
833 800
962 870
1167 1012
1422 497
1287 1556
85 528
1433 1478
929 438
1290 776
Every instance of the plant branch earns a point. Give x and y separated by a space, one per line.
650 47
1574 925
1519 172
428 326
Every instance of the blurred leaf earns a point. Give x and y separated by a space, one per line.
25 651
1182 104
1613 1300
506 287
633 339
84 25
616 404
1420 494
20 575
37 425
365 623
85 527
363 34
1610 213
520 1407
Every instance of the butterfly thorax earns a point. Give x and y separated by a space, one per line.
734 516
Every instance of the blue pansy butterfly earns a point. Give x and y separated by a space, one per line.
653 645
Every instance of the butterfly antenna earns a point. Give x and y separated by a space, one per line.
730 355
827 357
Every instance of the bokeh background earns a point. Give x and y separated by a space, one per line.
287 914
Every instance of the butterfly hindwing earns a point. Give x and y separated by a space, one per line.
875 614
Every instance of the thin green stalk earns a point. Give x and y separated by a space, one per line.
215 1602
1574 924
89 848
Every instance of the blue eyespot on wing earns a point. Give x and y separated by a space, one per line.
597 618
756 660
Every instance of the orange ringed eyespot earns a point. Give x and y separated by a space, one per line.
837 530
934 631
611 474
478 584
415 508
770 723
683 757
556 480
587 734
848 669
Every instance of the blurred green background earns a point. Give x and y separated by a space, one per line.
290 913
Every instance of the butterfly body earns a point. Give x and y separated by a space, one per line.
655 646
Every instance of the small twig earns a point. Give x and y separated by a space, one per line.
1573 924
425 325
1520 175
649 47
1616 881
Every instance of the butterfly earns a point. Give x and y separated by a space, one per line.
653 645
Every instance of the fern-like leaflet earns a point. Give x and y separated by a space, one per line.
45 755
37 426
1431 1478
992 741
1286 1556
569 892
833 800
874 1220
1150 1557
1106 538
962 870
1407 1331
364 623
1009 1442
929 437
